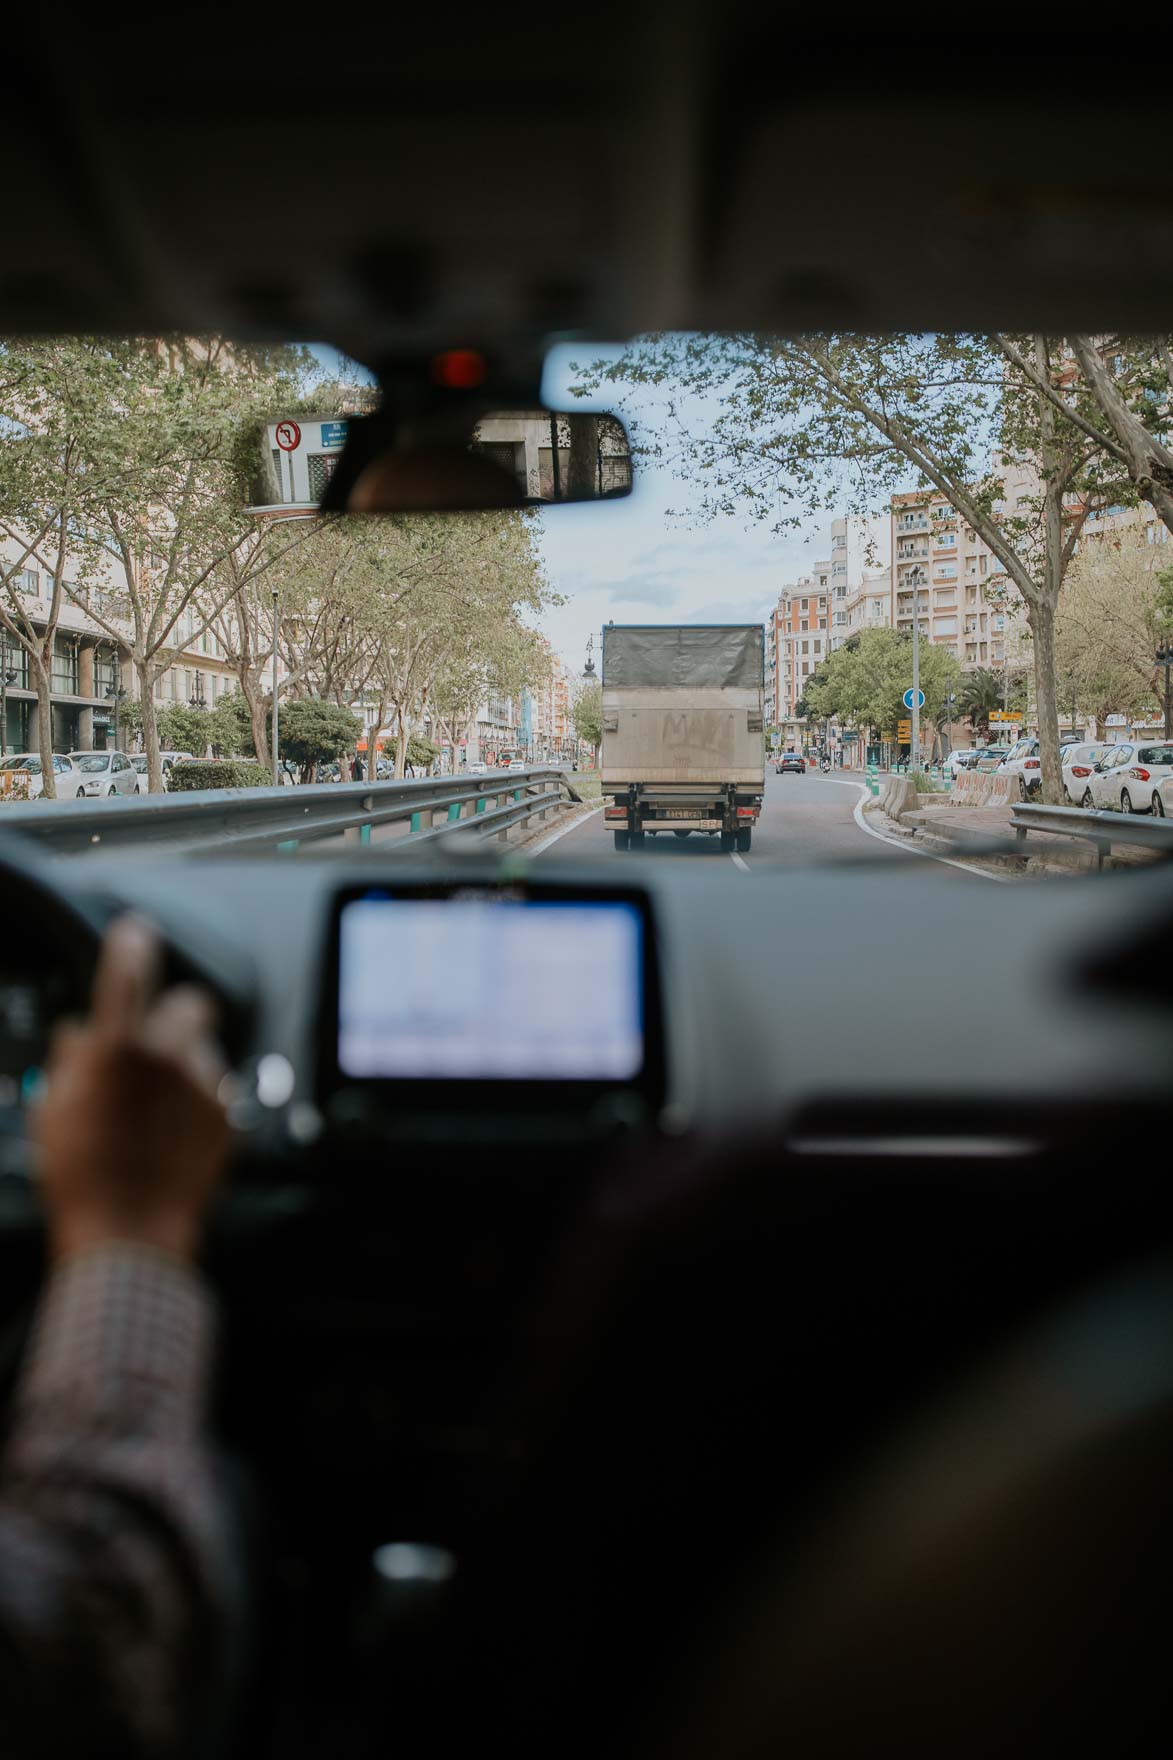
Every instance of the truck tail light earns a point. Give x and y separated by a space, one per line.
1141 775
747 812
614 812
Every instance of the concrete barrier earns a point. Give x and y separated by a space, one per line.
983 788
899 796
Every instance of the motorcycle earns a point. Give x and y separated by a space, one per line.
826 766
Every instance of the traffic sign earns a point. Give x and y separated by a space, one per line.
1005 714
910 697
288 436
903 730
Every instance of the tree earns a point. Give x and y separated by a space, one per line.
169 448
183 729
1118 391
1114 613
58 408
230 731
311 732
864 681
588 713
824 420
982 691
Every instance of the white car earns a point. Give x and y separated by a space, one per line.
70 783
1127 778
517 764
1023 761
167 759
1078 765
107 773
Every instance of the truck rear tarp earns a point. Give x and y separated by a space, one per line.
717 656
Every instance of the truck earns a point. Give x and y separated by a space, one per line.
683 738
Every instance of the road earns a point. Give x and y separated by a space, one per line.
806 821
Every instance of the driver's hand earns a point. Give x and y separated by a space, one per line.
133 1140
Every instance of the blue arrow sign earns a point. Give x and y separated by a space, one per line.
910 696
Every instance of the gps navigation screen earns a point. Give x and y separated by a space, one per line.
473 988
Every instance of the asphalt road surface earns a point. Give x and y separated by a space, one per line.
806 821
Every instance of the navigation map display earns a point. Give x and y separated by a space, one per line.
480 987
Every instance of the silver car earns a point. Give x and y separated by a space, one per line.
108 773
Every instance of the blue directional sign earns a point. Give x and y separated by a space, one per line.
917 697
333 433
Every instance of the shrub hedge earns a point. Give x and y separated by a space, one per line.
218 773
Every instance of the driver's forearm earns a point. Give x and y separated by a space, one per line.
114 1571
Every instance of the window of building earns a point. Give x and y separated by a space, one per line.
945 540
945 571
822 623
805 623
806 647
945 626
64 669
805 605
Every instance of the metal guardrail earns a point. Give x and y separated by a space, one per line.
1101 829
254 821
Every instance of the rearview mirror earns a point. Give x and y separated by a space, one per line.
499 458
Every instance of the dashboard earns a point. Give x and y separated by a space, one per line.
472 1104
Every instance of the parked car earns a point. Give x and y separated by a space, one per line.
70 782
1127 778
107 773
1024 762
516 764
790 762
965 759
1078 762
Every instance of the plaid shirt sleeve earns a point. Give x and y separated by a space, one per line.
115 1578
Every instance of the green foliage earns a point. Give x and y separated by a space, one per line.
310 731
218 773
1113 615
588 713
985 689
130 717
183 729
229 727
863 682
420 751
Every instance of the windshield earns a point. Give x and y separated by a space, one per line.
32 765
840 547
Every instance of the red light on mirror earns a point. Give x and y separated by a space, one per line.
459 369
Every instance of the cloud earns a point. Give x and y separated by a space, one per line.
644 590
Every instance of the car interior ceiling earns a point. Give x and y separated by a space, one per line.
739 1442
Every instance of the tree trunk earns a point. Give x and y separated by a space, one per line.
255 701
45 731
1041 607
1041 618
582 471
146 686
401 737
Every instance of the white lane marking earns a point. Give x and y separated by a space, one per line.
914 849
739 863
535 849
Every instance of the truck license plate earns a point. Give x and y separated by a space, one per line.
680 813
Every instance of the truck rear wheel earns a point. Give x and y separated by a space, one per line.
682 834
621 840
744 838
727 842
637 840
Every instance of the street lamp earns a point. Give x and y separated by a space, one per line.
276 633
7 677
1165 659
197 700
115 694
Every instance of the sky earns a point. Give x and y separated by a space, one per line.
633 561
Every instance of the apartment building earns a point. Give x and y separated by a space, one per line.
954 582
798 640
861 554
